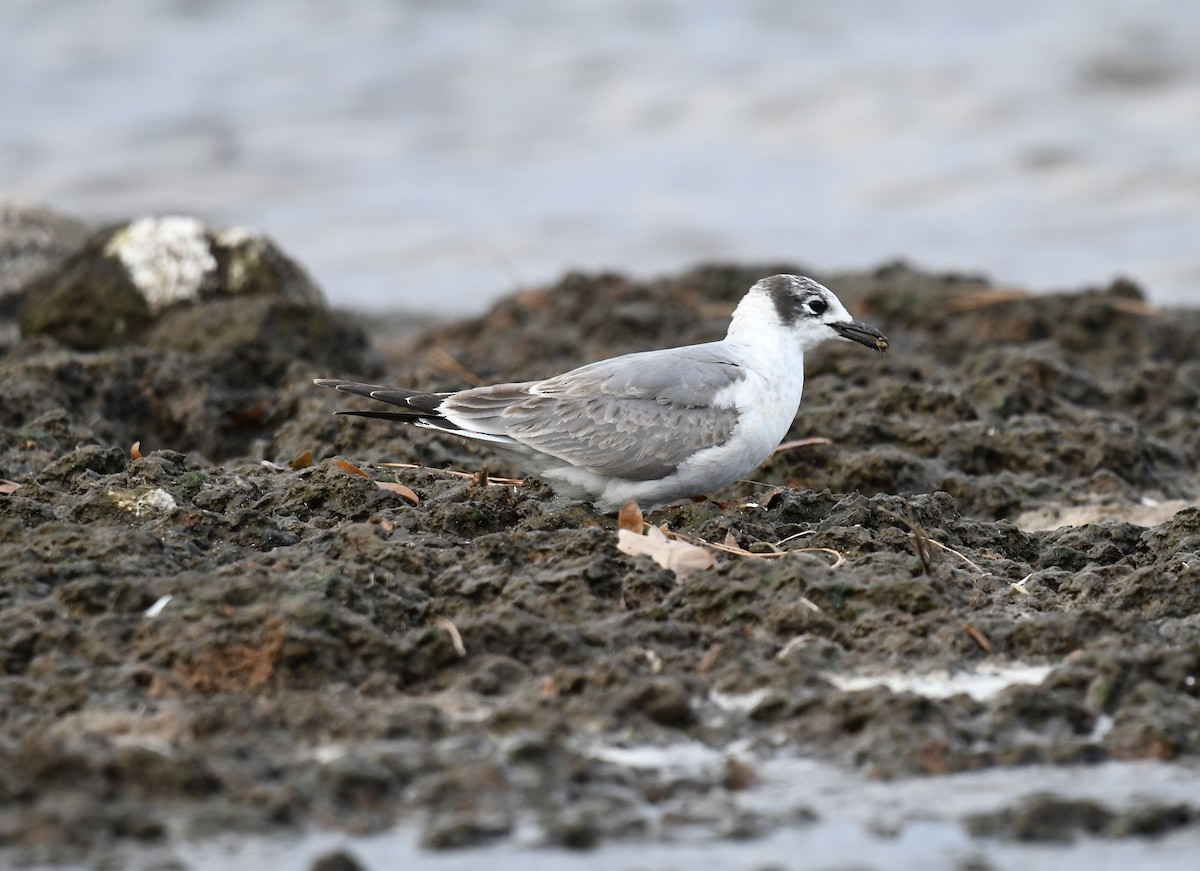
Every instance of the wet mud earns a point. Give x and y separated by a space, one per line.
207 635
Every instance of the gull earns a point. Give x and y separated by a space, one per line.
654 426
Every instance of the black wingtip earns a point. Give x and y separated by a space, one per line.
334 383
402 416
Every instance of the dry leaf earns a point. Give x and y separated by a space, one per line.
404 492
766 500
630 517
352 469
731 541
302 462
7 486
135 451
678 556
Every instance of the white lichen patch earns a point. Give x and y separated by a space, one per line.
168 259
156 501
232 237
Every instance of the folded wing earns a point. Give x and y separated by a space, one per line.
636 417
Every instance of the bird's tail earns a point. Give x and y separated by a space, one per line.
418 406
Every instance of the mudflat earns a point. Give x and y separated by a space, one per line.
233 629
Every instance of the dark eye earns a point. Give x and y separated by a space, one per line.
817 306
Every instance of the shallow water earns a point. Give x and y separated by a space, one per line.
913 823
433 155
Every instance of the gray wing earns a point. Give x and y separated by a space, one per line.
637 416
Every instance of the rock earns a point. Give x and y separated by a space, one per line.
33 241
336 860
126 277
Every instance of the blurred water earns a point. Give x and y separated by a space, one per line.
917 824
434 154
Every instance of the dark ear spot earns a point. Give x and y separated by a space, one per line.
788 303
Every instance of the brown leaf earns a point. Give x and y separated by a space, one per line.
404 492
135 451
731 540
768 499
352 469
630 517
7 486
678 556
301 462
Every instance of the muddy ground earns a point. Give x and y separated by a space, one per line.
306 670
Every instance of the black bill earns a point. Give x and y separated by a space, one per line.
864 334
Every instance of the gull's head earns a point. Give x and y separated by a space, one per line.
805 309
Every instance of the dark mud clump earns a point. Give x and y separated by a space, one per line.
195 641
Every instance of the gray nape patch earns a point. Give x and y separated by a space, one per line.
788 293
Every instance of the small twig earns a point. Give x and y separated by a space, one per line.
961 556
978 637
837 563
452 631
504 482
983 299
920 542
796 535
442 359
739 551
724 548
796 643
